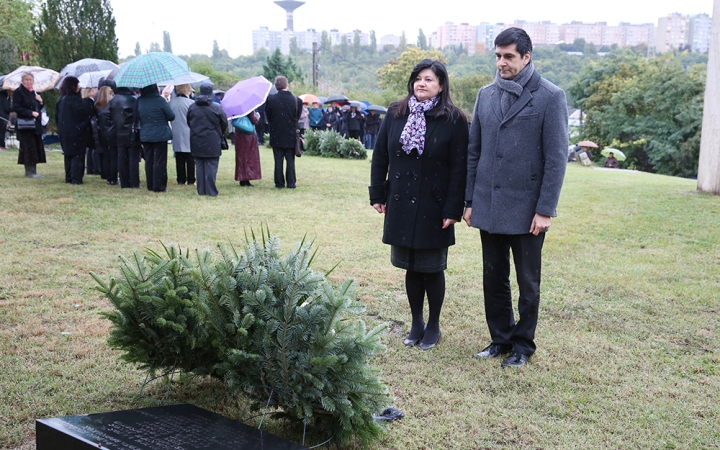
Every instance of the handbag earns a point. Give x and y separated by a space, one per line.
299 145
243 124
25 124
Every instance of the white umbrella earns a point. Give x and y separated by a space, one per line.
92 79
45 79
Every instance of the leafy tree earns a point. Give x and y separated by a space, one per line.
422 40
403 42
16 37
167 44
154 47
464 90
373 42
216 51
356 44
394 75
325 42
70 30
344 47
650 109
137 49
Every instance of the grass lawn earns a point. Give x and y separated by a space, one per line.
628 338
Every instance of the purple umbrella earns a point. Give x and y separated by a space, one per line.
245 96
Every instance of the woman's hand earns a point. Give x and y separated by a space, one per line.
38 98
467 216
35 113
379 207
448 222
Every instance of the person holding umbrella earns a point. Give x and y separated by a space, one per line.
316 117
207 122
155 114
73 115
27 104
611 162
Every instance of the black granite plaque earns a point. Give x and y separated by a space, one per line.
175 427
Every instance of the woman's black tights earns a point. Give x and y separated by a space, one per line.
417 284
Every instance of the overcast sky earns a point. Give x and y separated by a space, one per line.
193 29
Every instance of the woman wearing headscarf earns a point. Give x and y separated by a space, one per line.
155 114
207 122
417 180
28 104
184 162
73 117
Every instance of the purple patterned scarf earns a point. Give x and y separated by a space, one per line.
413 135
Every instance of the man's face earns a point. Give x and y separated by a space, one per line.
509 62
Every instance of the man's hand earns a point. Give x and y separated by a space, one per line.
540 223
448 222
467 215
379 207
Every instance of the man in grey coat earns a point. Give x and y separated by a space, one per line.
517 155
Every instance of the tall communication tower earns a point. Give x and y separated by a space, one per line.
289 6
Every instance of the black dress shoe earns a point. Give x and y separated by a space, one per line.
428 345
493 351
516 359
410 342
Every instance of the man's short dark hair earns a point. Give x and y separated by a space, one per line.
281 83
516 36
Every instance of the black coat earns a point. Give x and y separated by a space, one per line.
207 122
330 118
419 191
73 116
122 114
4 106
283 112
372 123
24 103
105 128
155 114
354 122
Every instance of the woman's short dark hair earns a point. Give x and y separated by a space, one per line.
445 104
69 86
517 36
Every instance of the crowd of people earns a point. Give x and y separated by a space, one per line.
349 121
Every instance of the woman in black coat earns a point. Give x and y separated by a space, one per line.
27 104
126 140
418 177
73 117
207 122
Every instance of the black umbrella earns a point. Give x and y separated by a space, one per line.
377 108
337 98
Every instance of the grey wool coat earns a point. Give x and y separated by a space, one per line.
516 164
180 129
419 191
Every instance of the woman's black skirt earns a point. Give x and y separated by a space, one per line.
426 260
32 149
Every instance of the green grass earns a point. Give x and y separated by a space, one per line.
628 336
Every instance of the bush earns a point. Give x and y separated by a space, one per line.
330 141
270 327
352 149
312 142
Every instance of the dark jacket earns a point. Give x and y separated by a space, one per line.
24 103
283 113
154 113
207 122
4 106
105 127
329 118
516 162
122 115
354 120
419 191
73 117
372 123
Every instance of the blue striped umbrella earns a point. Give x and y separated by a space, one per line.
150 68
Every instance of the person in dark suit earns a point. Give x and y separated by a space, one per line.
283 113
207 123
516 164
417 180
125 157
155 116
74 115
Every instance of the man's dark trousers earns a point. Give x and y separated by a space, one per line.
287 154
527 252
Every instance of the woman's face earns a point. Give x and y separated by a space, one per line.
28 81
426 85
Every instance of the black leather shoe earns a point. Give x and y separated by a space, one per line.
428 345
493 351
516 359
411 342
